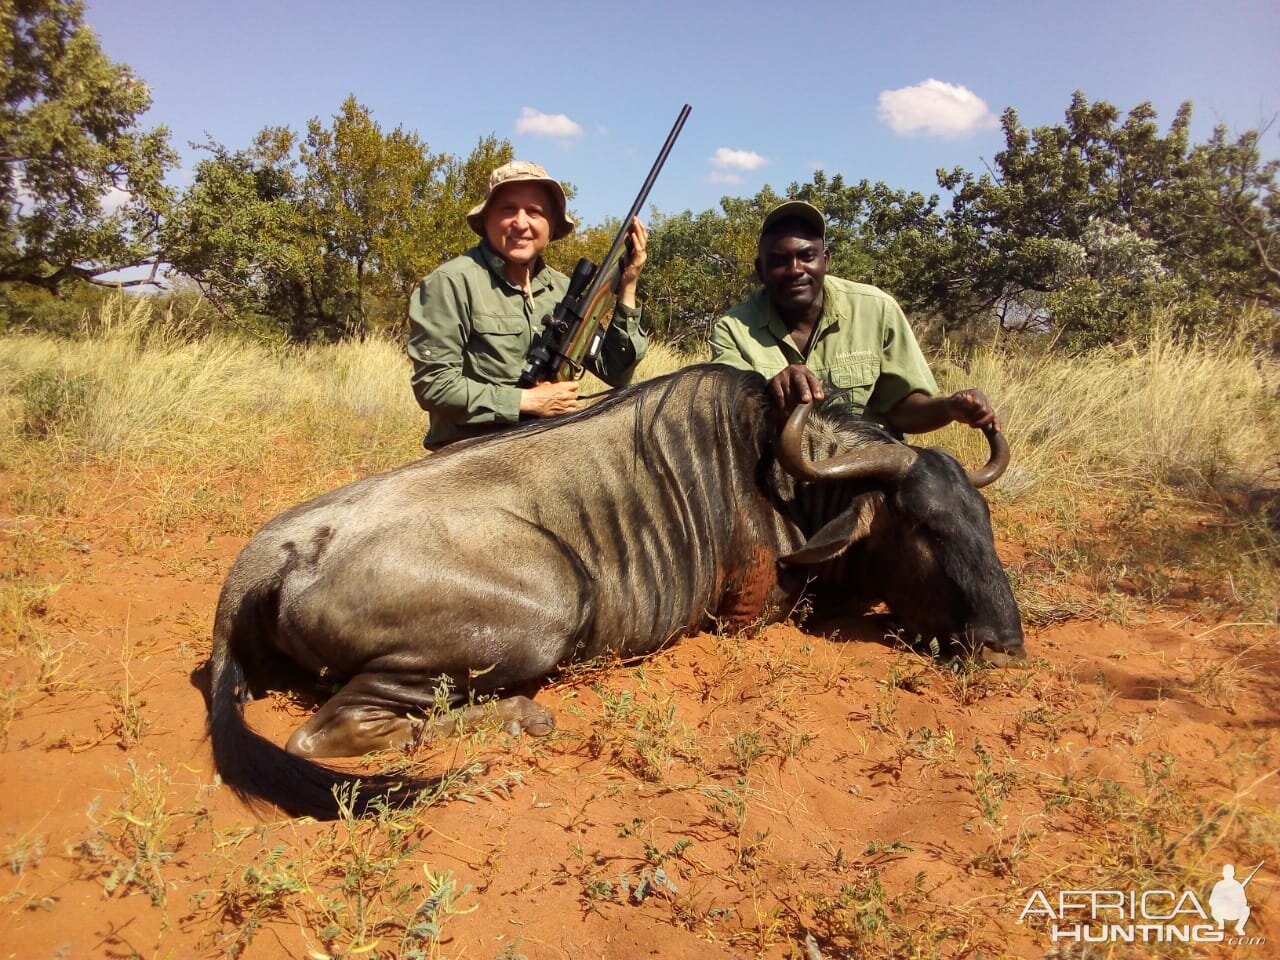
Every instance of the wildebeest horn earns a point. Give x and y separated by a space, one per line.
999 458
876 462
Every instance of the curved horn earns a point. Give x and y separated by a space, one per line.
999 458
876 462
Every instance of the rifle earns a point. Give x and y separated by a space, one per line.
572 334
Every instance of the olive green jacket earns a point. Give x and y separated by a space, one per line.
862 344
469 331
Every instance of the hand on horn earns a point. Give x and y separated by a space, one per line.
796 384
971 406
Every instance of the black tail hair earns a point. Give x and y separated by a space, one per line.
260 771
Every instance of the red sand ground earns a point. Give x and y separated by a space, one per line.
810 781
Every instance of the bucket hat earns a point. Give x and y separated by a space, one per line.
523 171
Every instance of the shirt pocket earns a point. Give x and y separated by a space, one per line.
857 378
495 351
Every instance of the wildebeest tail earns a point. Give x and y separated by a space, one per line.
261 771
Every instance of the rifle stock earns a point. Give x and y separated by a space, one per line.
573 333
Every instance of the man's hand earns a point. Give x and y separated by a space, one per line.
971 406
637 256
796 384
549 399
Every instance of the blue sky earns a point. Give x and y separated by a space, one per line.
887 91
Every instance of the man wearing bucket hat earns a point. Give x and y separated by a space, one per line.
471 321
811 335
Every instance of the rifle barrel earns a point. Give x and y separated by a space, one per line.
606 264
657 164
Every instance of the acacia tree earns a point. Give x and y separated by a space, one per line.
1094 226
444 232
327 234
81 188
1088 229
365 197
1233 202
700 265
235 231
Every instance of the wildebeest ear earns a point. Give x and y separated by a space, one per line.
835 537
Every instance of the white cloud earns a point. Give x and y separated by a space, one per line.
937 109
726 159
113 198
540 124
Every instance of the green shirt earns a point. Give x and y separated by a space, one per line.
470 329
862 343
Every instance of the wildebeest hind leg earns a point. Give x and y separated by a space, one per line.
352 723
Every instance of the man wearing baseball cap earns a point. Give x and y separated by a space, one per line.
471 321
811 335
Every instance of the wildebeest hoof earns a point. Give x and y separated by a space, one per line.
540 726
533 726
520 714
1015 657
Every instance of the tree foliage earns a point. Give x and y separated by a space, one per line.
81 188
1087 230
328 232
700 265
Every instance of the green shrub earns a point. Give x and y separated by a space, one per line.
52 399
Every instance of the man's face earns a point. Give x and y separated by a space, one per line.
791 264
517 222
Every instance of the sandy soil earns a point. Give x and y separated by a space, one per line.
812 791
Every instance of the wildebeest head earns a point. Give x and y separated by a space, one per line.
922 532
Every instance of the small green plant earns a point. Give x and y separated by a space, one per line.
51 399
643 734
24 853
728 806
352 888
990 787
251 895
746 748
881 850
137 839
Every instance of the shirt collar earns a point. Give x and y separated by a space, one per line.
541 275
833 312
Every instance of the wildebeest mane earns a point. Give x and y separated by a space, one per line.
744 391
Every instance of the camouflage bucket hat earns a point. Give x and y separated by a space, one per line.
513 172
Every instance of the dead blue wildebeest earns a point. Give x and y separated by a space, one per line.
668 506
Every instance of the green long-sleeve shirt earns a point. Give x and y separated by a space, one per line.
469 332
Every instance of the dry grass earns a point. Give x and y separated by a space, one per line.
1186 416
1191 417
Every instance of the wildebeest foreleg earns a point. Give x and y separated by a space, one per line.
514 714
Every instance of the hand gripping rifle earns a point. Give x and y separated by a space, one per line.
573 333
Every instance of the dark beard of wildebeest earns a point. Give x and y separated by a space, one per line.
667 507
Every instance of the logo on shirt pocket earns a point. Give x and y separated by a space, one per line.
862 373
